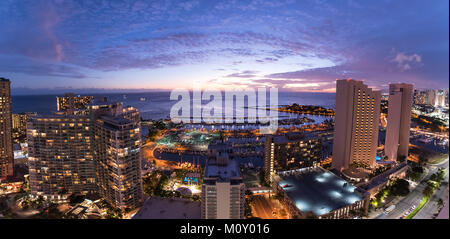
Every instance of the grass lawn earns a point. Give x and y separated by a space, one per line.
421 204
438 158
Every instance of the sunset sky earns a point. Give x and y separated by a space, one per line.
294 45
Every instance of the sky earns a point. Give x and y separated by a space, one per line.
293 45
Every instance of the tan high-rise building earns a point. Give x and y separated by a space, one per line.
399 120
6 147
356 125
117 154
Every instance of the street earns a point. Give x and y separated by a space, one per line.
416 196
264 208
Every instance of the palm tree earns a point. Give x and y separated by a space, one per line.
428 191
440 202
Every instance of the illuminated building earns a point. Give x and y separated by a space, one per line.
399 120
379 182
440 98
6 144
420 97
95 150
290 151
70 102
436 98
223 189
117 153
356 125
19 125
60 157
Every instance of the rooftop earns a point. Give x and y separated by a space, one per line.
169 208
294 137
117 120
319 191
224 172
379 179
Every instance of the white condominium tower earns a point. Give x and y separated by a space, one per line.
223 189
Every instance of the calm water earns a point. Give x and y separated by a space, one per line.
157 104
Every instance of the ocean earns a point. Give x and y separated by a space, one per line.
156 104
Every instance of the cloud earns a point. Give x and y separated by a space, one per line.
405 61
301 85
29 66
325 40
244 74
323 73
267 59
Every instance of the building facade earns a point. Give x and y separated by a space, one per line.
223 189
399 121
356 125
96 149
60 156
317 193
70 102
6 144
436 98
19 125
117 153
440 98
289 152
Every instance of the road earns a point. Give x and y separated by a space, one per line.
416 196
264 208
432 207
434 134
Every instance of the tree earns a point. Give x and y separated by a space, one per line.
75 199
25 205
422 160
401 158
428 190
440 202
262 178
400 188
127 210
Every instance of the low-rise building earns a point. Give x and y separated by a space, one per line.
290 152
378 182
317 193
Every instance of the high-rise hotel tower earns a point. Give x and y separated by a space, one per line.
356 125
6 148
399 120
